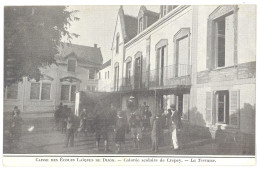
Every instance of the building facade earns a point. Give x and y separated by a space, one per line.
76 69
201 58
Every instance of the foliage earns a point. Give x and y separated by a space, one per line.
31 39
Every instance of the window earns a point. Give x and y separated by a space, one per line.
89 88
128 72
12 91
68 92
35 91
71 65
222 24
107 74
222 106
182 52
140 24
117 43
65 92
40 91
46 91
99 75
91 74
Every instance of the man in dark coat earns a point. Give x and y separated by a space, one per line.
146 114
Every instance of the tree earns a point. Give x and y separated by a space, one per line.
31 39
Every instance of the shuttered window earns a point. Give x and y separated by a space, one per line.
225 108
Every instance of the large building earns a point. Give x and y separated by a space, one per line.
76 69
201 58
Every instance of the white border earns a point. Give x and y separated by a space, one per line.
133 2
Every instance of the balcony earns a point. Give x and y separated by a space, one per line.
172 76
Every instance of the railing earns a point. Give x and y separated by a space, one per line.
168 76
173 75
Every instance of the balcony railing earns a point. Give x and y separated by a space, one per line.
166 77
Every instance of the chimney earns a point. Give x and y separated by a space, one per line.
95 45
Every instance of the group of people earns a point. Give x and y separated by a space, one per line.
156 123
107 119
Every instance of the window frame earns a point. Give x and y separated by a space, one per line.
69 93
220 12
40 91
226 99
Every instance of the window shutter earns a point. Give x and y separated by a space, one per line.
185 114
209 107
234 101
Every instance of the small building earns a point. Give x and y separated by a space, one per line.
76 69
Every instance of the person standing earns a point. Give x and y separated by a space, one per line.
16 128
176 125
101 123
146 114
120 130
156 131
64 116
83 121
70 130
135 123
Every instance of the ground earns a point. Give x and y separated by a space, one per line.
45 139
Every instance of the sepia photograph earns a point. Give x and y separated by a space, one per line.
119 80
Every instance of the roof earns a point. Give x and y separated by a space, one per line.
131 27
84 54
106 64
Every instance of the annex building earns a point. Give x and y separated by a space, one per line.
76 70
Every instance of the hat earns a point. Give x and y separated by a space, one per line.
173 106
131 97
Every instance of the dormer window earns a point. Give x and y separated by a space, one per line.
71 65
141 26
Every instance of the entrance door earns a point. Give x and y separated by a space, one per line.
138 73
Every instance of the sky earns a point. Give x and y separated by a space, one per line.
97 24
